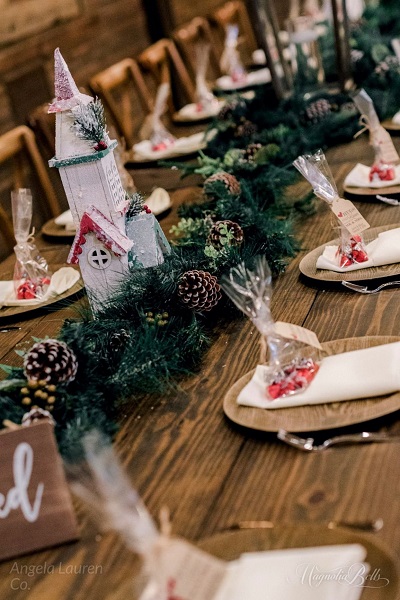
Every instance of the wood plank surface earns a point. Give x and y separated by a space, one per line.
180 450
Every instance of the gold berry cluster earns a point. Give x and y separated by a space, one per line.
39 393
159 319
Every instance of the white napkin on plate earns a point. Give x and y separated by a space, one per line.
185 145
324 573
384 250
348 376
253 78
396 118
61 281
359 177
158 201
191 113
65 220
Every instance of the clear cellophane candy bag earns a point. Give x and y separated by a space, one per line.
159 136
382 169
315 168
231 63
292 365
205 99
31 272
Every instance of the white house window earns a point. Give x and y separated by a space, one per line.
99 258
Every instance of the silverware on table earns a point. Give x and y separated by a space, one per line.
10 328
372 526
386 200
307 444
362 289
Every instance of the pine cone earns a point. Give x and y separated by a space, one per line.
251 151
318 110
230 182
245 129
51 361
225 233
228 108
118 340
199 290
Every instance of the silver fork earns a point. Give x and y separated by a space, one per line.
362 289
307 444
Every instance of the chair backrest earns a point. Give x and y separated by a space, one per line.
188 36
164 63
119 87
17 147
43 124
234 12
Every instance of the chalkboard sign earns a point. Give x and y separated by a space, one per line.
35 505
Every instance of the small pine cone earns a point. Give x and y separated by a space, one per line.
218 237
118 340
251 151
51 361
199 290
230 182
226 111
36 414
318 110
245 129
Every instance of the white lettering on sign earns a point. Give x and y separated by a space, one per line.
17 496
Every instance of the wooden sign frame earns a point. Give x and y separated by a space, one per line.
35 504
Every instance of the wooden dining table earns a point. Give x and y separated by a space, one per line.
180 450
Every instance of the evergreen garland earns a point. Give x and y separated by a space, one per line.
144 337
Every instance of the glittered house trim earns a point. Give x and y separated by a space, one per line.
93 221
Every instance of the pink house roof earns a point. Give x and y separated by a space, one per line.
93 221
66 90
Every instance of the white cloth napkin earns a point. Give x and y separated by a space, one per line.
190 112
357 374
396 118
158 201
65 220
253 78
324 573
359 177
384 250
61 281
185 145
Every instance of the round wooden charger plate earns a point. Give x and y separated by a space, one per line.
308 265
51 229
320 416
10 311
231 544
392 190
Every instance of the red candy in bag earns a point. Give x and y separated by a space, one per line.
293 378
382 172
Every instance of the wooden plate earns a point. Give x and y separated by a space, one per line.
368 192
308 265
390 126
51 229
320 416
231 544
10 311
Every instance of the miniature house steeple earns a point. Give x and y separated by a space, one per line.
93 187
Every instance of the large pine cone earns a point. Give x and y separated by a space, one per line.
51 361
230 182
199 290
225 233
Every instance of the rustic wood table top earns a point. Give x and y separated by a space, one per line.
181 451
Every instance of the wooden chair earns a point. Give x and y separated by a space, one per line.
43 125
234 12
164 63
118 87
188 36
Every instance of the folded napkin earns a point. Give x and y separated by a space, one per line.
65 220
359 177
384 250
324 573
61 281
185 145
358 374
191 112
158 201
253 78
396 118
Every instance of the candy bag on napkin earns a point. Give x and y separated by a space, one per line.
352 248
153 129
31 271
288 372
385 153
230 62
205 99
